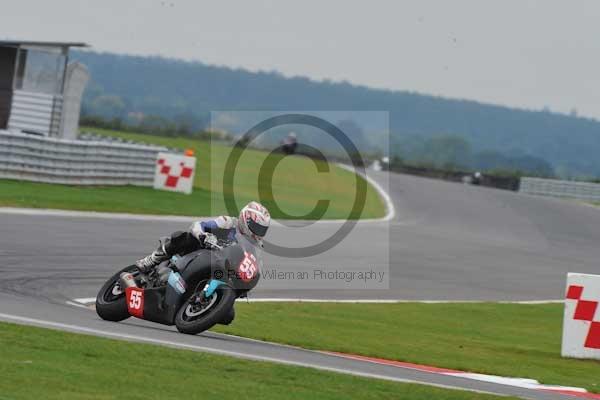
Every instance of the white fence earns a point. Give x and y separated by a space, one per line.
557 188
76 162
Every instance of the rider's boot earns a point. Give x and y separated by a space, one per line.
156 257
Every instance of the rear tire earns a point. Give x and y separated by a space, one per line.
219 311
109 306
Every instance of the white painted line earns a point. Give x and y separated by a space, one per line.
389 205
43 212
556 301
95 214
391 301
85 300
179 345
390 211
71 303
301 300
525 383
517 382
88 300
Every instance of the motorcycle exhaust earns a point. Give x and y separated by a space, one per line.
127 280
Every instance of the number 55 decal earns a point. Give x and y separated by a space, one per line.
247 269
135 301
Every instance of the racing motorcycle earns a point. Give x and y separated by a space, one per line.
194 292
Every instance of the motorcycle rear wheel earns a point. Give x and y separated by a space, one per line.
111 304
193 319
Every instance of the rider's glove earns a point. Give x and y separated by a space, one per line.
210 240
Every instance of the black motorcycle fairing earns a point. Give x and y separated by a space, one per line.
219 264
155 309
182 262
201 265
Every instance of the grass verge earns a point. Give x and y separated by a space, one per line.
296 187
126 199
501 339
38 363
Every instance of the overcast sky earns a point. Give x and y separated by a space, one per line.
518 53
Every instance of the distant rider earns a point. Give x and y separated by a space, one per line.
253 223
290 143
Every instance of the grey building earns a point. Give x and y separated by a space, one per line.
40 92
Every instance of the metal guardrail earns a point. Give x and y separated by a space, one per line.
76 162
563 189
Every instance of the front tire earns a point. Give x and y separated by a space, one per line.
193 319
111 304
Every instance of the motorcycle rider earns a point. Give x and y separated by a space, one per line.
253 222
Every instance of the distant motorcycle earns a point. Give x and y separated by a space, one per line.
194 292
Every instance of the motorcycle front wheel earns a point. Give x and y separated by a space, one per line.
198 314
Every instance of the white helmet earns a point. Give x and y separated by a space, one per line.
254 221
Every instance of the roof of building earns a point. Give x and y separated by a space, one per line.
35 43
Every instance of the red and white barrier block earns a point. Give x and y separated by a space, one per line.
174 172
581 325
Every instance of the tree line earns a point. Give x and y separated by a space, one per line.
157 92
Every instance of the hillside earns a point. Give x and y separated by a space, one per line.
129 87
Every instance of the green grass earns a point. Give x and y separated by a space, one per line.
502 339
108 199
39 363
296 187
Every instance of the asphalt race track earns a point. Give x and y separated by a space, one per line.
447 242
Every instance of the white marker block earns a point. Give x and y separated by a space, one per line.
174 172
581 324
